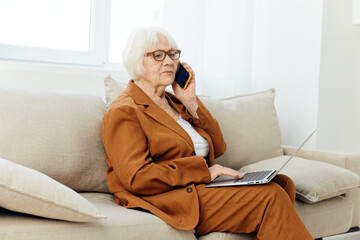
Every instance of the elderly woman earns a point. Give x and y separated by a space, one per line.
161 150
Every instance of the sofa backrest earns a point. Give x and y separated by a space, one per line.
58 134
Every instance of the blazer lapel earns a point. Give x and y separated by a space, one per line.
156 112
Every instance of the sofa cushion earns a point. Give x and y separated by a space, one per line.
250 127
314 180
120 224
29 191
322 219
325 218
56 133
249 124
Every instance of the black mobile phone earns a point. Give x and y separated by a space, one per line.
182 77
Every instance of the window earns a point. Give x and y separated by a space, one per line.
62 31
88 32
48 28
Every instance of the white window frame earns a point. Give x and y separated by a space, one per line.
97 55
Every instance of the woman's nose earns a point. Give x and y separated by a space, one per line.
168 60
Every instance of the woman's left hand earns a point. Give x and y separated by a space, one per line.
187 96
218 170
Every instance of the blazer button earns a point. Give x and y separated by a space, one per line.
189 189
191 120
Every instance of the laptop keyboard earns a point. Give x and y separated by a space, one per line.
254 176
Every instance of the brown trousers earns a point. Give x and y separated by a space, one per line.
267 210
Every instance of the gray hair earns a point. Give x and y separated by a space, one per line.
138 43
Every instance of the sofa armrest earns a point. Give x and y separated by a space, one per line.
344 160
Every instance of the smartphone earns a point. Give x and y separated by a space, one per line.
182 77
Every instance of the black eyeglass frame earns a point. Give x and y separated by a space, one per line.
171 51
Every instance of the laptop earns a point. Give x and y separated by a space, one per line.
253 178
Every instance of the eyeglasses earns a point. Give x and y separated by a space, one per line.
159 55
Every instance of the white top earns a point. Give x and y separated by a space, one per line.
201 144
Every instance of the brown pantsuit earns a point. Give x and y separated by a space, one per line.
265 209
152 165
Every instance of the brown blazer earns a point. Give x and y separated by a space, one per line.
151 159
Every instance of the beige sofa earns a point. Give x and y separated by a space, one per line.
53 170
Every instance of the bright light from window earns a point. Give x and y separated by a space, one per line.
55 24
127 15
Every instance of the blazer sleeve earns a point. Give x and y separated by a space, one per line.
128 155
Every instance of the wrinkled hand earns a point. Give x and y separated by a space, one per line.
218 170
188 95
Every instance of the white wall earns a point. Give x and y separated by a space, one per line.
228 47
287 57
216 39
339 89
247 46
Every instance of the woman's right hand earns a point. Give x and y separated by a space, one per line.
218 170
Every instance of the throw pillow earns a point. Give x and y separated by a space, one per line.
250 127
314 180
29 191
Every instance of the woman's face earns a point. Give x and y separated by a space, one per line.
159 73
